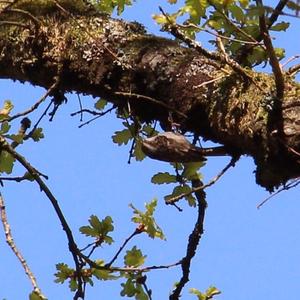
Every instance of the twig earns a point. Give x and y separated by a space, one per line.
150 99
29 135
92 264
35 20
290 60
193 241
136 232
277 11
17 179
12 245
293 70
97 114
244 50
204 186
176 32
209 81
276 68
292 184
147 290
71 242
252 42
14 23
35 106
80 105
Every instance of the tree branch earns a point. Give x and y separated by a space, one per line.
279 79
194 239
12 245
71 242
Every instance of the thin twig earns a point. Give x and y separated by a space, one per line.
293 70
136 232
71 242
209 81
35 106
176 32
93 264
29 135
35 20
252 42
80 105
290 60
245 49
292 184
97 114
16 179
150 99
16 251
204 186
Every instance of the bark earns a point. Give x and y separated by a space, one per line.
93 54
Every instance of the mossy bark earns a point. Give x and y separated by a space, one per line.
93 54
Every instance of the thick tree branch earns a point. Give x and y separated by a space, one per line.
110 58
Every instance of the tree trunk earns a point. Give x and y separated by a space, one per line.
93 54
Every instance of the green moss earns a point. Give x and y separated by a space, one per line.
43 7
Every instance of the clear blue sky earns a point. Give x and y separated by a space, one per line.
247 253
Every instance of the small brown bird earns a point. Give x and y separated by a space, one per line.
171 147
174 147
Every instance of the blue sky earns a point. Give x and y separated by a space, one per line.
247 253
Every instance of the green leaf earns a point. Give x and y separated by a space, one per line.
163 177
28 176
237 13
129 289
121 5
190 170
5 126
180 190
138 153
280 53
6 109
122 137
64 273
73 285
99 229
18 138
134 258
100 104
146 221
282 26
35 296
196 9
37 134
6 162
199 295
160 19
211 292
